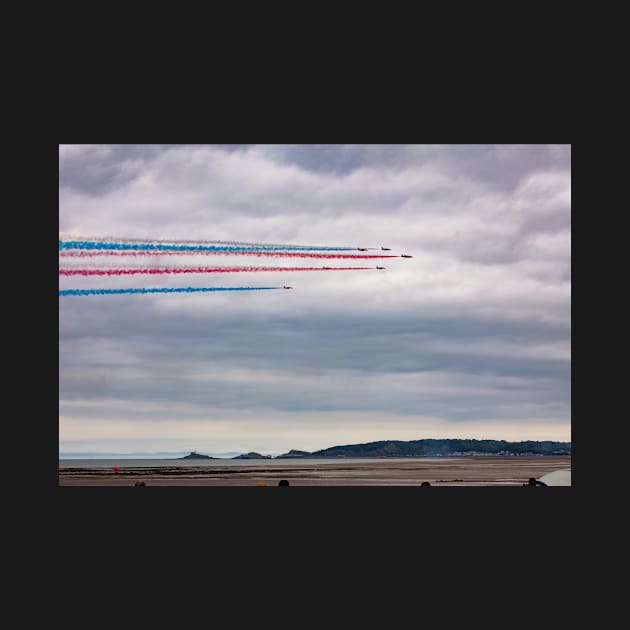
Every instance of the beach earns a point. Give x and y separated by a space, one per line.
438 471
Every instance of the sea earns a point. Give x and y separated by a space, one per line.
183 463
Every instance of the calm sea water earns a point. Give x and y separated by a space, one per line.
152 463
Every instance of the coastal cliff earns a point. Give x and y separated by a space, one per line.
438 448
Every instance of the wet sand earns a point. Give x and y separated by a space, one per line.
460 471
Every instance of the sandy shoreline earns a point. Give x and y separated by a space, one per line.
461 471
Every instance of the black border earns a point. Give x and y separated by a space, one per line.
386 516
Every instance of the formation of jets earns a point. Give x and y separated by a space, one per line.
362 249
385 249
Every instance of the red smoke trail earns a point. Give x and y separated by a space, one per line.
157 271
90 254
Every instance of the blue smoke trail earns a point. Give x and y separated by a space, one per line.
191 248
165 290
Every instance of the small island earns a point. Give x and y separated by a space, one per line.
294 453
252 455
194 455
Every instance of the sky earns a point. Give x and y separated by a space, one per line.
470 338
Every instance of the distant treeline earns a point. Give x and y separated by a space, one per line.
436 448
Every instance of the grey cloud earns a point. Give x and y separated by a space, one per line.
173 349
502 167
97 170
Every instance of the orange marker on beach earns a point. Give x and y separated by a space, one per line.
116 469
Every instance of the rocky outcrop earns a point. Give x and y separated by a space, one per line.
252 455
194 455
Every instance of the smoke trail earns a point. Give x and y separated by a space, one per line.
112 239
192 248
81 253
167 290
160 271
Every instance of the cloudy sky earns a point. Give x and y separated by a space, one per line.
470 338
